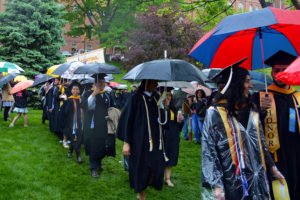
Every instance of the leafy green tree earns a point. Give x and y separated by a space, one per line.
106 20
31 34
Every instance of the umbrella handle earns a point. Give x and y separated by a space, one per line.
166 120
263 59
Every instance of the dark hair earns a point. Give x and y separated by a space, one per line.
235 93
202 93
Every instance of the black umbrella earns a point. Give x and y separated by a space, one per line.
98 68
42 79
66 66
7 78
209 73
166 70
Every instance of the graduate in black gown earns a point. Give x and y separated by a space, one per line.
143 141
71 112
281 121
97 142
171 136
53 107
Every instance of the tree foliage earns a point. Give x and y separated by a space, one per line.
156 33
31 34
106 20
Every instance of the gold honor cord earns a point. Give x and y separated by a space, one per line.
256 121
149 127
228 130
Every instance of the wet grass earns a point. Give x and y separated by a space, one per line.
33 165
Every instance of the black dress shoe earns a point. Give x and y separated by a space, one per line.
94 174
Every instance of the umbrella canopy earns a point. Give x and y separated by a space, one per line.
109 77
197 86
67 69
98 68
258 85
10 68
7 78
175 84
21 86
166 70
51 69
87 80
260 77
114 84
42 78
291 75
256 35
20 78
209 73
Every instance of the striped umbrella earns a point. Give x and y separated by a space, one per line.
10 68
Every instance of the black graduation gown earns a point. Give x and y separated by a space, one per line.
67 111
289 152
145 167
53 104
171 138
97 142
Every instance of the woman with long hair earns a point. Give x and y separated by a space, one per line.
235 158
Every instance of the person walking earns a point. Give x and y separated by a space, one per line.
143 139
21 100
7 100
97 143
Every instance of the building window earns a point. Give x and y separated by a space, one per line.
74 45
89 47
250 8
241 6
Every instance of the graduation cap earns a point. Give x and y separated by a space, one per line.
225 76
98 77
280 58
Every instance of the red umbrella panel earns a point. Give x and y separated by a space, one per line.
291 75
21 86
114 84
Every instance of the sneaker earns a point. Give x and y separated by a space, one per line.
65 145
11 125
60 141
25 125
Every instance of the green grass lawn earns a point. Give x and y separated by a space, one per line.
33 165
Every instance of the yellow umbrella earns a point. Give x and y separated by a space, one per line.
4 73
20 78
51 69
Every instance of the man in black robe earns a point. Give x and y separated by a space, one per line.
139 129
286 153
95 103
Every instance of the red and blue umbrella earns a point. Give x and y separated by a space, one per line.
256 35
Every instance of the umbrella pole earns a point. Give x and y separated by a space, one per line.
263 59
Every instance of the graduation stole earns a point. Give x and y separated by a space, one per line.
270 122
62 92
75 127
100 92
172 117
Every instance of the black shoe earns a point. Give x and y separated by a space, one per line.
198 143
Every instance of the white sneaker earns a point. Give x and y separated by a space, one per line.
25 125
65 145
11 125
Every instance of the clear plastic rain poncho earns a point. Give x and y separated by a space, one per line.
233 158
